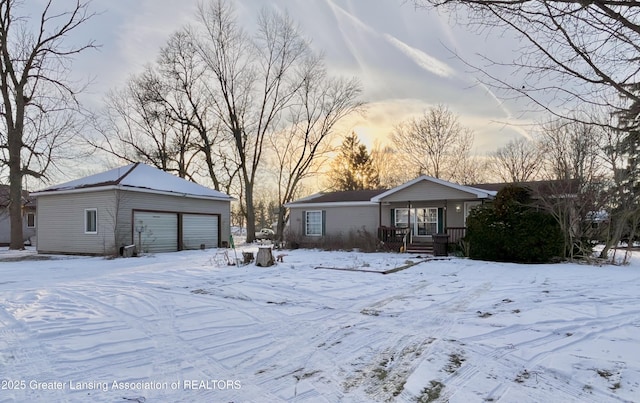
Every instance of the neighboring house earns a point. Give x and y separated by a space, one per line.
133 205
549 189
407 215
28 217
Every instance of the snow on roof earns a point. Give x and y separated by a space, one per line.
140 177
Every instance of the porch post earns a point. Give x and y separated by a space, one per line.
380 221
444 218
409 222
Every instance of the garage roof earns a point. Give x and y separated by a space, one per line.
136 177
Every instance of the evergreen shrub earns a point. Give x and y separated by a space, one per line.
512 230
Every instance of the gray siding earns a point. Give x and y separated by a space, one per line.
425 190
154 202
5 227
339 221
60 223
60 218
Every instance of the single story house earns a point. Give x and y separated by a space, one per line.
28 217
132 205
406 216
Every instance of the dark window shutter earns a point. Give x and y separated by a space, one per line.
324 222
440 220
304 223
392 223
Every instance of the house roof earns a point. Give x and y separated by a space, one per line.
27 200
335 198
136 177
479 193
366 197
547 187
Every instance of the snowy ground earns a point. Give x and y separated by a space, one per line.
185 327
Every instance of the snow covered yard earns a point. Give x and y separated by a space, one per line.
182 327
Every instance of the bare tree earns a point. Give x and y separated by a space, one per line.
37 94
253 81
299 149
435 144
139 126
166 117
519 160
392 168
575 161
573 150
574 52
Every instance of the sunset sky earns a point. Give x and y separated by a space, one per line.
404 57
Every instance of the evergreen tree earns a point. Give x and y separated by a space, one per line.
353 168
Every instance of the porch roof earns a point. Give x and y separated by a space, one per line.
472 191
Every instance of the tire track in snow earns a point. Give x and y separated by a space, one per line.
22 352
179 358
550 385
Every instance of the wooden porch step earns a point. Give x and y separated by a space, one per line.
426 248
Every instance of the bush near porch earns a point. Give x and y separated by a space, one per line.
511 229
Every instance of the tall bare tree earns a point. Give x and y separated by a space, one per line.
436 144
253 81
138 125
575 159
38 95
574 52
520 160
392 168
165 117
299 149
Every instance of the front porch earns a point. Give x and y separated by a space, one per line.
402 238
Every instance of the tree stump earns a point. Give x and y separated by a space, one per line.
264 257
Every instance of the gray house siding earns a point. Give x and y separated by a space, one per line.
138 201
339 221
61 226
430 190
28 233
115 209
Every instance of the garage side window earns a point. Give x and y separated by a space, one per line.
313 223
91 221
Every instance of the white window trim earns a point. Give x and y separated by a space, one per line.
306 222
412 214
85 220
34 220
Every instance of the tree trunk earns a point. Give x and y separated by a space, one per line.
15 190
281 223
264 257
251 212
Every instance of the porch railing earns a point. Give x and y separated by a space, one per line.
393 237
456 233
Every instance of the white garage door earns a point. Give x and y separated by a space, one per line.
198 229
159 231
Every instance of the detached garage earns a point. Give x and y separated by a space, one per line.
132 205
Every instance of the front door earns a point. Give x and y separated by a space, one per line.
423 220
426 221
